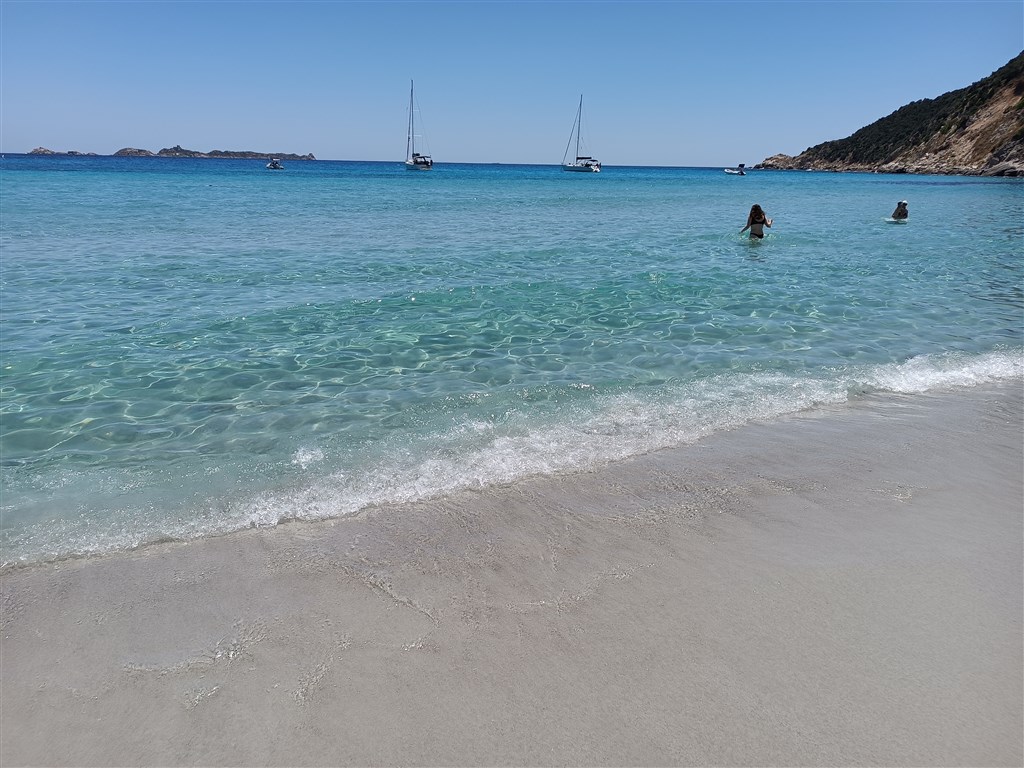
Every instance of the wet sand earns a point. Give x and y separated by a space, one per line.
839 588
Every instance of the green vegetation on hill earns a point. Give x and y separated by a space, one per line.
921 121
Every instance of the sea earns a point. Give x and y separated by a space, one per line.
190 347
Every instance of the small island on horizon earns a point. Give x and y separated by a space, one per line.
179 151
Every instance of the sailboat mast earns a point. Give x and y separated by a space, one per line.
410 142
579 126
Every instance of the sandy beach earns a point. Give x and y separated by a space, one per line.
839 588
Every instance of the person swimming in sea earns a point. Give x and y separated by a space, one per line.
901 211
756 222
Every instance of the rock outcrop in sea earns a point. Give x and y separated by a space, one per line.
179 151
977 131
45 151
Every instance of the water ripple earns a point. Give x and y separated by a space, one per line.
181 344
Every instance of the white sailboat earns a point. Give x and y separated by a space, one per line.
414 161
583 163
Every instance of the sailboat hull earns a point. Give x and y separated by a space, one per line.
582 168
411 166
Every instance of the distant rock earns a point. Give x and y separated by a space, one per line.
257 155
72 152
179 151
977 130
778 162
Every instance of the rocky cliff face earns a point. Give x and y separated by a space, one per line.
978 130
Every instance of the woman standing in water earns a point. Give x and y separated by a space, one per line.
756 222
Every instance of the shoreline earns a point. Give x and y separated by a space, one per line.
837 587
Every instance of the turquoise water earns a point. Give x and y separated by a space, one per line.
191 347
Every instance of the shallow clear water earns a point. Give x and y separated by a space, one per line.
194 346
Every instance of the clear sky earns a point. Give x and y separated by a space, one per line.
664 83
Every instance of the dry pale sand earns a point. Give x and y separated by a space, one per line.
842 588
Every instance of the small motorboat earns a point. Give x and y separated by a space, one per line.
275 165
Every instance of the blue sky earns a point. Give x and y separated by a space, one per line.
664 83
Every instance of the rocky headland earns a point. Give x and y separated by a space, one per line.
975 131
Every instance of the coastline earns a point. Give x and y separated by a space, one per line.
838 587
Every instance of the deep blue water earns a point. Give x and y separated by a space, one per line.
194 346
